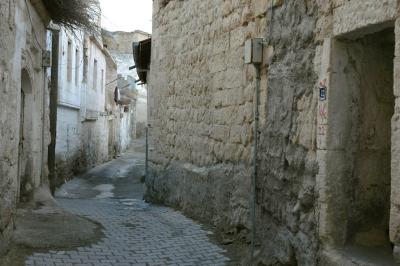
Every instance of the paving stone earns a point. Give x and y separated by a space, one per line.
135 233
152 236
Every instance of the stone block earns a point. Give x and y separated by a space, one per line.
397 37
394 223
246 113
367 16
218 63
235 134
331 183
219 133
262 7
232 75
396 81
396 253
222 98
247 15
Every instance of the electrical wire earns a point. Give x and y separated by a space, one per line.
111 22
256 125
114 80
271 22
255 166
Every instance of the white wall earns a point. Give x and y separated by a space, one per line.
127 127
82 127
95 90
68 133
70 69
69 89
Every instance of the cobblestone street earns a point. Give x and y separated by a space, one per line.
136 233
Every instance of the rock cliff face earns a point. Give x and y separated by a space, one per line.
201 112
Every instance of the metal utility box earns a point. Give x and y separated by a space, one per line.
253 51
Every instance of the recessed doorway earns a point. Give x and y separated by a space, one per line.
357 160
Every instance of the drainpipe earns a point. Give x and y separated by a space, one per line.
45 65
53 108
253 54
255 151
43 124
147 153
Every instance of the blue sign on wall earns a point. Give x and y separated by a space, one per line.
322 93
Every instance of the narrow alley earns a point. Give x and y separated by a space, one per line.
135 232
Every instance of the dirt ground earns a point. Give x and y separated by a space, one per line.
42 225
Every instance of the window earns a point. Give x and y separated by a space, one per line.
102 80
69 61
95 75
85 64
77 66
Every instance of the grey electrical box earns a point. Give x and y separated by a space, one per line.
253 51
46 58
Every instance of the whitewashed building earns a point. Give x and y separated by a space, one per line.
82 119
70 87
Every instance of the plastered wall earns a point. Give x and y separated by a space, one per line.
21 52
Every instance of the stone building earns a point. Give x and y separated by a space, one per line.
24 98
120 45
327 190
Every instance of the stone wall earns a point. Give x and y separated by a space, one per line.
201 112
121 41
318 175
22 167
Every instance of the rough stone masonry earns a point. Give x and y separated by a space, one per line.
329 174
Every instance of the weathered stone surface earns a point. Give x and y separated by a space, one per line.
323 167
22 167
369 15
201 112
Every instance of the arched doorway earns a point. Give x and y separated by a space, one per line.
25 183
